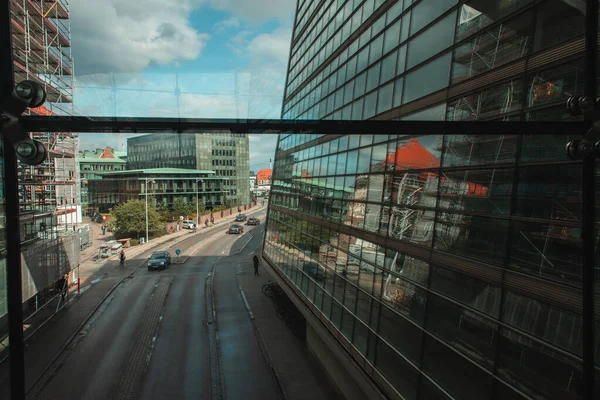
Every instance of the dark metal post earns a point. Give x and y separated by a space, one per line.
13 259
13 264
588 194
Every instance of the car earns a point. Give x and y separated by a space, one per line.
235 229
189 224
253 221
240 218
159 260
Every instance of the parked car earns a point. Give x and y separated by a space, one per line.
188 224
253 221
159 260
235 229
240 218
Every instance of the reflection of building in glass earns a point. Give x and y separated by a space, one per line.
99 160
225 153
163 187
449 266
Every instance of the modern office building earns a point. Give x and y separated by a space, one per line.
434 266
92 162
162 185
225 153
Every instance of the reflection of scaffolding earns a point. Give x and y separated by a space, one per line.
42 52
490 103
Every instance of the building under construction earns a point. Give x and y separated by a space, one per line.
49 192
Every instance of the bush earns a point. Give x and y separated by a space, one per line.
134 242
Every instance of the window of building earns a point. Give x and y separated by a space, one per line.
428 78
435 39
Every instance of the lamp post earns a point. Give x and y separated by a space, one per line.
147 180
197 190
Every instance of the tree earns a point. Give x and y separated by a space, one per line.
180 207
130 220
201 207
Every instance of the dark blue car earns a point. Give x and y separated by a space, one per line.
159 260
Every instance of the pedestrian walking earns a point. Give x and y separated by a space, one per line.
62 287
256 262
122 258
206 222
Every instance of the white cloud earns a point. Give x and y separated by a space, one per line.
271 47
129 36
231 22
256 10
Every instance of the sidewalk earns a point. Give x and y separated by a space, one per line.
88 267
300 375
80 306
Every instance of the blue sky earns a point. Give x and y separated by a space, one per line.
187 58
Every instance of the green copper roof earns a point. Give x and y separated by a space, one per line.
157 171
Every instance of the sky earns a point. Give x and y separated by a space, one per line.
181 58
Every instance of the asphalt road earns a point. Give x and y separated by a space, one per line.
151 339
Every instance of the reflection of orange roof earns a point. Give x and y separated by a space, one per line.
264 174
413 155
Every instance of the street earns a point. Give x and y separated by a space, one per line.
180 333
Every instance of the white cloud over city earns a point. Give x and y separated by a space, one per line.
129 36
117 43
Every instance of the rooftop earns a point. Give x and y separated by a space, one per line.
158 171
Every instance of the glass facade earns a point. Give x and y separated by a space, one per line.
450 264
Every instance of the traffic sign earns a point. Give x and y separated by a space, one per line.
178 252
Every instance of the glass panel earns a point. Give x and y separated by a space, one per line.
467 290
470 334
556 84
492 48
551 323
426 11
388 67
552 251
557 22
432 41
391 37
550 192
470 236
396 370
482 191
460 377
384 98
474 17
427 79
535 370
491 103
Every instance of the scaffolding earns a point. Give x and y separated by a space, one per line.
41 34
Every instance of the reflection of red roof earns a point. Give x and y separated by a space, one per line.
413 155
264 175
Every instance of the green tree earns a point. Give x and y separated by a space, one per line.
130 220
201 207
180 207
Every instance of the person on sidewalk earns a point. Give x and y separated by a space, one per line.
122 258
256 262
206 222
62 287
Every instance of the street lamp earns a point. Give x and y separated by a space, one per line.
197 190
147 180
